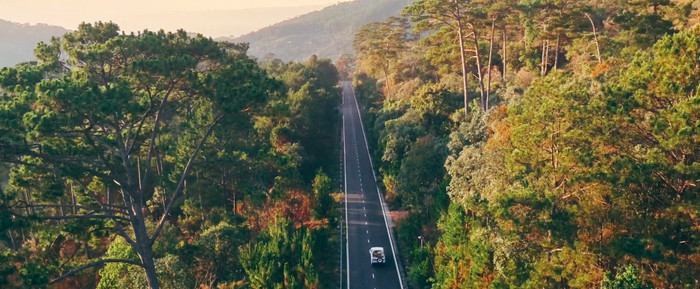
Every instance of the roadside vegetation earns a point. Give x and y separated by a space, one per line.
538 144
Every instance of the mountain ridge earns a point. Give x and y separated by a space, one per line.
327 33
19 40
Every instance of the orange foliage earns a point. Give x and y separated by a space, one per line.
397 216
600 69
502 109
296 207
499 130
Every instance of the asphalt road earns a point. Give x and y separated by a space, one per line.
365 220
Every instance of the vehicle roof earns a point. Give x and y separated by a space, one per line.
377 248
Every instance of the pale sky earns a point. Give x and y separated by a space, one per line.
210 17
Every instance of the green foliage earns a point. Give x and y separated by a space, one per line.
323 188
34 275
282 258
163 149
582 166
217 250
308 116
172 273
378 46
569 146
419 179
114 275
421 269
628 279
7 268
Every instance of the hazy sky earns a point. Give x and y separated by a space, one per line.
210 17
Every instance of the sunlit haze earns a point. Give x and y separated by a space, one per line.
210 17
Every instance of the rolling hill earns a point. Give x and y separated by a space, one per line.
17 41
326 33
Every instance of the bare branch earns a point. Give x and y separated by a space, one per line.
102 209
56 160
118 227
80 217
180 184
94 264
156 128
595 37
132 137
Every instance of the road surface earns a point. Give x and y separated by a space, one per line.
365 219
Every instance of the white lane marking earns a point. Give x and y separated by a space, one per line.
381 203
347 230
367 241
367 232
340 239
372 275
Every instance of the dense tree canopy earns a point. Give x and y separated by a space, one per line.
580 168
147 157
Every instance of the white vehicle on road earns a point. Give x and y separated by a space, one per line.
376 255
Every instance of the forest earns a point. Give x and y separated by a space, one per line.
166 160
538 144
526 144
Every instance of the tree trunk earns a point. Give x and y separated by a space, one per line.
109 198
138 169
74 200
63 211
542 58
386 81
27 201
556 52
545 56
149 268
546 59
87 250
201 206
12 240
488 87
595 37
465 77
478 68
235 202
144 248
505 55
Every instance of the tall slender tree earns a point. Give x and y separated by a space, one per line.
435 15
